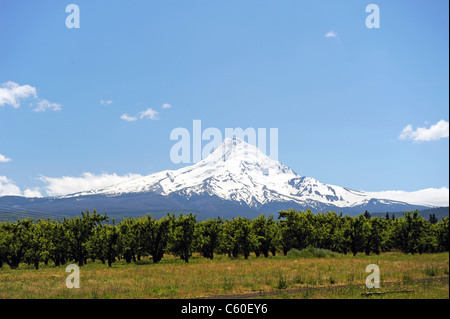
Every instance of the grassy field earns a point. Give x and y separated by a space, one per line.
341 276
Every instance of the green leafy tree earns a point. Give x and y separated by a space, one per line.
57 242
359 231
442 233
182 236
375 235
79 231
206 237
297 229
156 235
130 239
227 239
266 231
246 239
111 243
38 243
14 241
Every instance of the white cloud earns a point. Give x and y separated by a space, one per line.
331 34
88 181
434 132
4 159
166 106
45 105
32 192
106 102
128 118
149 114
428 196
9 188
11 93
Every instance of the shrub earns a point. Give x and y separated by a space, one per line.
282 282
311 252
431 271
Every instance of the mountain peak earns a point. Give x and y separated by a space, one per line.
239 172
235 149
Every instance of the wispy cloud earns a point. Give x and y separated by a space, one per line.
149 113
105 102
87 181
45 105
331 34
12 94
4 159
422 134
128 118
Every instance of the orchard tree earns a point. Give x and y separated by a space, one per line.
266 231
38 243
342 239
227 239
246 239
156 235
442 234
130 231
375 235
111 247
14 241
79 231
325 230
58 242
297 229
359 233
206 237
182 236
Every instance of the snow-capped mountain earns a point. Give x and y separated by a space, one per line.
235 179
240 172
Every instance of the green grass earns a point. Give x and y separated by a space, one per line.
339 276
431 271
421 290
311 252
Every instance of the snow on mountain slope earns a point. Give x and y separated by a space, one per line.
240 172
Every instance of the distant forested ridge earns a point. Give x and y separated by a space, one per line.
439 212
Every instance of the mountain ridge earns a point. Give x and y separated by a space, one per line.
236 177
240 172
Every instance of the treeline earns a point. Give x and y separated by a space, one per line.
93 237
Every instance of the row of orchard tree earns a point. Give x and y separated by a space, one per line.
93 237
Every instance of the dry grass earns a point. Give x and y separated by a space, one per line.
172 278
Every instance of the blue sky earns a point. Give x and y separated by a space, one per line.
340 103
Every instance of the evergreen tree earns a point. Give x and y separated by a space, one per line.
433 219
